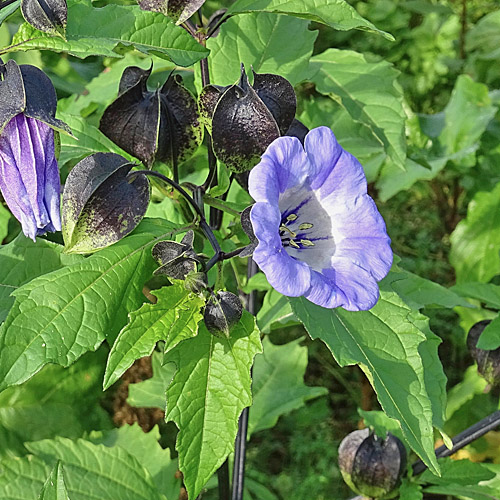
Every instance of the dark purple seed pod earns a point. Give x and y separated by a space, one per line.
372 466
222 312
244 119
488 362
49 16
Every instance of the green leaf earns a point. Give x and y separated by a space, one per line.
410 491
97 471
86 141
383 341
23 478
5 216
10 9
369 92
151 392
99 292
381 424
278 384
22 260
484 292
173 318
490 338
465 492
56 401
275 312
92 31
419 292
457 472
55 488
271 50
469 99
207 395
475 242
148 452
337 14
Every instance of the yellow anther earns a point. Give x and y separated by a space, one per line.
307 243
284 228
293 244
306 225
291 217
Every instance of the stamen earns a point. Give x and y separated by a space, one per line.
291 217
293 244
284 228
307 243
305 225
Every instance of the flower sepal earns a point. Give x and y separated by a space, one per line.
222 312
162 125
28 90
102 202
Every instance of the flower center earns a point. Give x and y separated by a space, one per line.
306 228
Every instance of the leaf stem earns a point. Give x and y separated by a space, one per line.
241 437
203 222
216 203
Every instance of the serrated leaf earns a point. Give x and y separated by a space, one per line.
86 141
22 260
382 341
55 487
207 395
272 50
335 13
475 242
97 471
457 472
278 384
173 318
99 291
151 392
144 446
369 92
92 31
22 478
56 401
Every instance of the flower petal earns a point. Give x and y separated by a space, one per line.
324 292
287 275
283 165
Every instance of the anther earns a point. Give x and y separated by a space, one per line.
307 243
291 217
293 244
305 225
284 228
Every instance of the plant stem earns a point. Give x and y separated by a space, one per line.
463 439
223 480
203 223
241 437
216 203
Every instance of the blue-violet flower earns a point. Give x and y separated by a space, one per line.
320 234
29 176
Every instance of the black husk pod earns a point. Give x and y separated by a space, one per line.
177 10
49 16
102 202
244 119
161 125
176 260
222 311
372 466
488 361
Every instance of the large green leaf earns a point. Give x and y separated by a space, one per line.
173 318
22 260
475 242
97 471
275 312
23 478
59 316
484 292
56 401
87 140
149 453
92 31
263 41
335 13
207 395
369 92
384 341
278 384
55 487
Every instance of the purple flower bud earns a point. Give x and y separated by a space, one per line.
29 176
